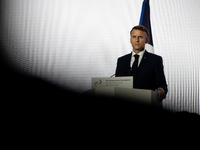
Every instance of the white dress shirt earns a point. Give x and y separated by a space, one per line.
133 58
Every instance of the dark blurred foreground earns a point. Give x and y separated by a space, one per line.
34 108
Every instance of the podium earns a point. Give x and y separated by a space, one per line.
121 87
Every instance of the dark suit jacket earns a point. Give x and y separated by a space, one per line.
150 73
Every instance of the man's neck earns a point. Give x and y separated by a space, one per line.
137 51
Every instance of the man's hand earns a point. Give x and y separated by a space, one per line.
161 94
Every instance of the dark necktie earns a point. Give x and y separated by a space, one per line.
135 65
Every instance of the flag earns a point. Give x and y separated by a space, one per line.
145 21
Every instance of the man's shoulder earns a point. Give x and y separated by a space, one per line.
125 56
153 56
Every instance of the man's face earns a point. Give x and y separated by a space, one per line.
138 40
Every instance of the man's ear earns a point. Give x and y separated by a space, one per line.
130 41
147 40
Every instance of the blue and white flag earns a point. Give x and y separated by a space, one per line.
145 21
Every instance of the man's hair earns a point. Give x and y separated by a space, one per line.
141 28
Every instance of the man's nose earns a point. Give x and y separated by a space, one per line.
137 39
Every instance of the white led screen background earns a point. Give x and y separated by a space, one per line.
67 42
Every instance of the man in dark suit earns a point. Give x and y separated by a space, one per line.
146 68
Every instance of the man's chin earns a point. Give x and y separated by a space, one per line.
139 48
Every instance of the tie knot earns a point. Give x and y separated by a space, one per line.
136 56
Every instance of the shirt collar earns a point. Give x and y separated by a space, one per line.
140 53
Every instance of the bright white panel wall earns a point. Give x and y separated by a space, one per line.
68 42
175 26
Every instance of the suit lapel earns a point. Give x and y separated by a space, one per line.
143 61
128 60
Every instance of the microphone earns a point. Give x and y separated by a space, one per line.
112 75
